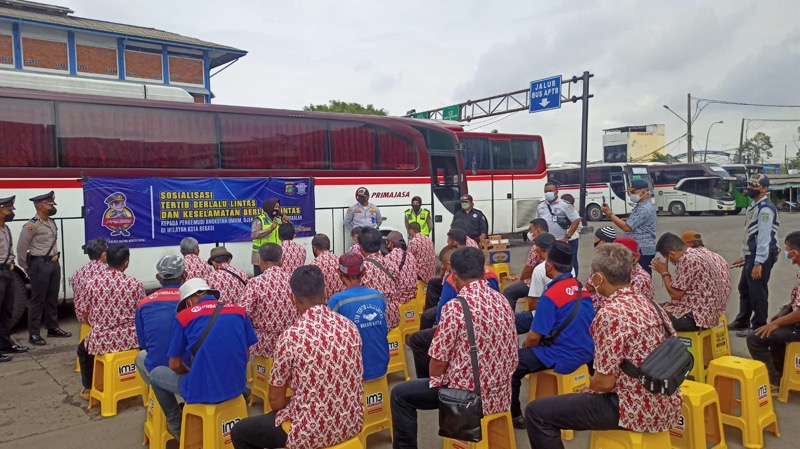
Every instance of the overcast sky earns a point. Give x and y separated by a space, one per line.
426 54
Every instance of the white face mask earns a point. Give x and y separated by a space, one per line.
549 196
530 237
635 198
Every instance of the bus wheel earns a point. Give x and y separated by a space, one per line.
695 214
593 213
677 208
736 211
20 299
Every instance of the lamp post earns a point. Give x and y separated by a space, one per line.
705 152
689 155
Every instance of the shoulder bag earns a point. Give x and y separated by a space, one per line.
235 275
547 340
207 329
379 265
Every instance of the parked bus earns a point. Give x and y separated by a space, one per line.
739 189
607 183
694 188
50 141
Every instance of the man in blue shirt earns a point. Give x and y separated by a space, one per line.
366 308
571 348
218 369
155 315
641 224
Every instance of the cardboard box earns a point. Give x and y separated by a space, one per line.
497 256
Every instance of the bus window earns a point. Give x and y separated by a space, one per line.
26 133
476 153
94 135
618 184
395 152
271 142
501 151
446 182
352 146
524 154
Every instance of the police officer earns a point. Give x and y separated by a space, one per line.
264 229
418 215
758 255
6 286
561 217
38 255
362 214
477 226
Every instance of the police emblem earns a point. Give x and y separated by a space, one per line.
302 188
118 218
290 188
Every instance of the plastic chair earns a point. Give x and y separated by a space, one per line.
699 344
85 328
498 433
155 424
791 372
700 421
422 290
377 413
397 353
209 425
549 383
352 443
722 344
754 403
502 271
409 319
249 372
115 378
260 386
625 439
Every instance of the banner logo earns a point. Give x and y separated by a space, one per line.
118 217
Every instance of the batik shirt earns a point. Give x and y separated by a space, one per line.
80 281
705 285
329 264
112 299
422 248
405 278
533 261
230 287
266 300
376 279
195 267
294 256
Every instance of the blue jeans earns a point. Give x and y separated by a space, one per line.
574 245
523 321
139 362
166 384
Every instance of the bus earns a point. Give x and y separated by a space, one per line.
50 141
607 183
739 189
692 188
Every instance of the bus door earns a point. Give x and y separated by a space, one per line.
618 196
500 216
446 185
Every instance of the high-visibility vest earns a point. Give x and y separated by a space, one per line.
271 238
422 219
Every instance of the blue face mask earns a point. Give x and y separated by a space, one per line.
549 196
787 258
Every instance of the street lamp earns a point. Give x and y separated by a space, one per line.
705 152
689 152
676 114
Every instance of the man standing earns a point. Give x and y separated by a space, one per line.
520 288
294 255
328 263
758 255
362 214
37 254
641 224
561 217
6 285
423 250
264 229
229 281
420 216
475 223
195 266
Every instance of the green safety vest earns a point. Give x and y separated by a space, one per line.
271 238
422 219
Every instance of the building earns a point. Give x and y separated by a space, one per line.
633 143
48 39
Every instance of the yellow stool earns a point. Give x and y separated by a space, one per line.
249 372
409 319
700 418
115 378
755 403
501 270
790 381
377 413
722 345
549 383
422 289
352 443
498 433
155 424
209 425
85 328
624 439
397 353
260 387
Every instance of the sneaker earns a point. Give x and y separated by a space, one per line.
85 394
774 389
519 422
734 326
744 333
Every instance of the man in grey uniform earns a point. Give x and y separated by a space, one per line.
562 219
362 214
6 286
37 254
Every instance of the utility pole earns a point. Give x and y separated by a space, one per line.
584 138
741 144
689 152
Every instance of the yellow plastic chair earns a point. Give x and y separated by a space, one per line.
722 344
155 424
422 290
700 422
791 372
85 328
209 425
624 439
397 353
260 386
498 433
115 378
352 443
377 412
409 319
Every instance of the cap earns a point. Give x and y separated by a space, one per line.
606 234
560 253
217 252
351 263
544 241
114 197
8 203
639 184
758 180
395 237
191 287
47 198
362 191
689 237
170 267
628 243
466 198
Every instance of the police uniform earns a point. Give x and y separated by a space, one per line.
558 214
423 218
360 216
6 283
475 222
37 254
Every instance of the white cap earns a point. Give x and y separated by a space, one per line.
193 286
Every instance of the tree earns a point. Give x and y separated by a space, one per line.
344 107
659 157
757 149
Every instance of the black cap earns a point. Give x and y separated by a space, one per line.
639 184
544 241
49 198
560 253
8 203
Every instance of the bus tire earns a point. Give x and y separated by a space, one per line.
694 214
593 213
677 208
736 211
20 298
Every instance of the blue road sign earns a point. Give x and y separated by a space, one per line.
545 94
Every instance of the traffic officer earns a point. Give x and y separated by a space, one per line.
477 226
561 217
6 286
264 229
362 214
418 215
38 255
758 255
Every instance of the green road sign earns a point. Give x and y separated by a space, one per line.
450 113
420 115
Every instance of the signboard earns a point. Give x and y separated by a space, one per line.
450 113
420 115
147 212
545 94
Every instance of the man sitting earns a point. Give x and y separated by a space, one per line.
294 255
403 266
320 358
217 364
328 263
376 274
641 281
520 288
227 279
194 265
421 246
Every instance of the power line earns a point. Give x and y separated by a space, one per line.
498 120
739 103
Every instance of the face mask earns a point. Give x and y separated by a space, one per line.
753 193
415 208
635 198
785 255
597 243
362 199
10 217
274 212
464 205
51 212
550 196
530 237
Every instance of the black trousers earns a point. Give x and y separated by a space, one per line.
258 432
45 279
544 418
406 399
256 270
420 343
684 323
86 362
528 363
514 292
433 293
6 308
771 350
644 262
428 318
754 294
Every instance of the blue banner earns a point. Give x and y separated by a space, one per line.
146 212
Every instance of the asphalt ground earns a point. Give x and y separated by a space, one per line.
41 406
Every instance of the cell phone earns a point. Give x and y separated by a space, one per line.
604 199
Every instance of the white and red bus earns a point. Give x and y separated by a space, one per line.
49 141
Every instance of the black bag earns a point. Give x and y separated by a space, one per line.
561 220
547 340
461 411
663 370
206 329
